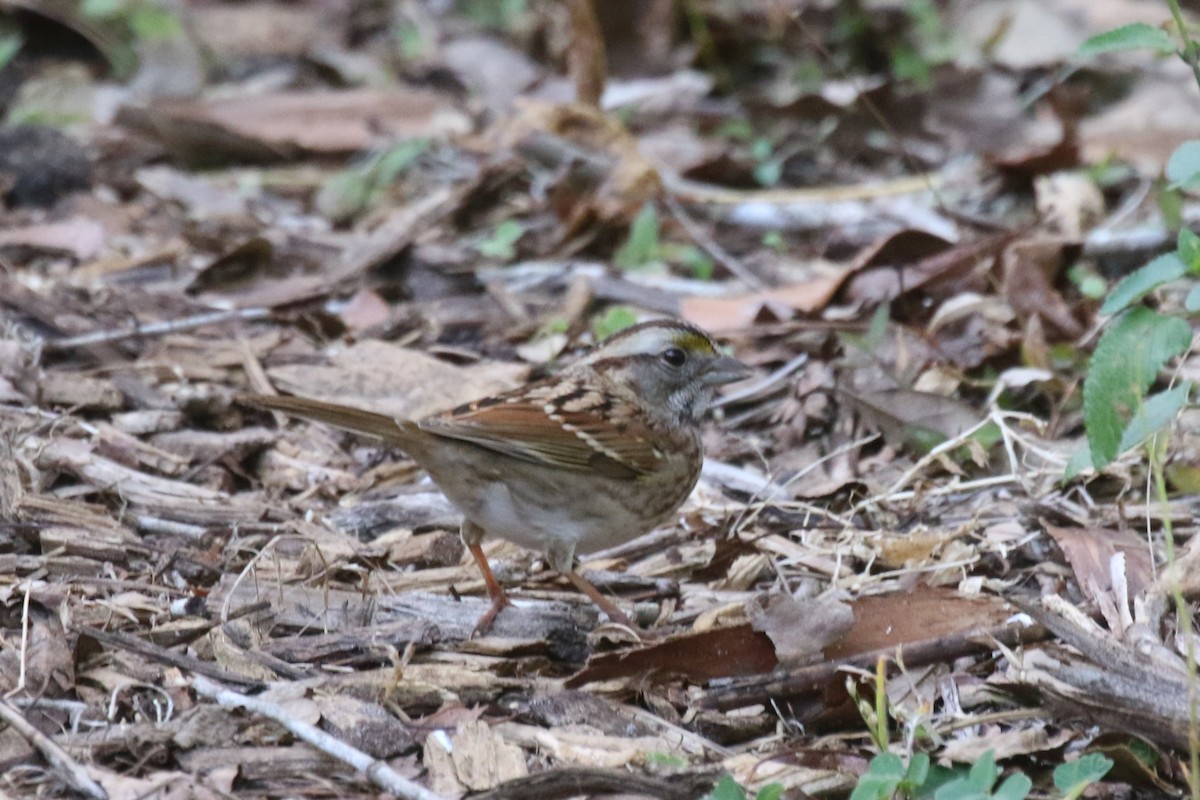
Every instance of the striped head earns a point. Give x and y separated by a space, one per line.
673 367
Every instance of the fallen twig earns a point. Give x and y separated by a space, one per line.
67 769
378 772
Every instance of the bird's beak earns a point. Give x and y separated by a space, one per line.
725 369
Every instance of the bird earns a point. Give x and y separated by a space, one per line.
583 460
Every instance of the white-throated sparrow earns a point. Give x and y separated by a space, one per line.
589 458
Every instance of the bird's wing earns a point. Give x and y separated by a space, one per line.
578 435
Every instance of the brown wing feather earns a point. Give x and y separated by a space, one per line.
522 427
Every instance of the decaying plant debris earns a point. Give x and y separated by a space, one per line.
206 601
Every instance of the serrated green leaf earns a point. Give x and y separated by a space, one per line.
1138 36
1189 249
1072 776
641 247
1137 284
1155 414
726 789
1183 167
1134 347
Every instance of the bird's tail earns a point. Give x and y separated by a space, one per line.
368 423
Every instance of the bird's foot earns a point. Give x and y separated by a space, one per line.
485 622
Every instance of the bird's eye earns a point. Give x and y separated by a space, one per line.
674 356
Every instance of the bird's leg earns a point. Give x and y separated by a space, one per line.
494 589
607 606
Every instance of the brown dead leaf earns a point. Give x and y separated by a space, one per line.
1005 744
723 314
916 548
949 270
1024 34
265 29
382 377
365 725
290 124
800 629
1070 203
1030 268
1090 552
923 615
78 237
475 758
616 180
586 746
364 310
907 416
491 68
711 654
585 59
1147 126
45 662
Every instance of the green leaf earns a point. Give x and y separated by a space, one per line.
1138 36
1090 285
102 9
772 791
1143 751
938 777
666 760
615 319
918 770
1134 347
1192 302
151 22
886 765
1072 777
768 173
396 161
726 789
1154 415
774 241
1137 284
641 247
1081 460
1189 249
881 779
1183 167
1015 787
501 245
961 789
984 772
870 787
11 42
698 263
